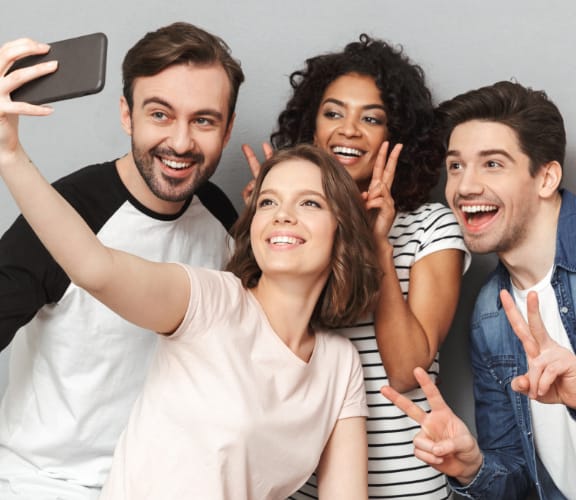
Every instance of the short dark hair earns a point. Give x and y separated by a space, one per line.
407 102
354 280
179 43
534 118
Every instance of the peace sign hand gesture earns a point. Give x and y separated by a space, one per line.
379 191
254 165
444 441
551 376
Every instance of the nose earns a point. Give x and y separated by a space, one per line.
284 215
181 139
466 183
349 127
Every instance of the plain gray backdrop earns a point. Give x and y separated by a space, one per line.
461 44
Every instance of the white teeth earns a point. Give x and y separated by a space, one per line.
284 240
474 209
347 151
178 165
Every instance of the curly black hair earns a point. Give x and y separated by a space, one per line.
407 101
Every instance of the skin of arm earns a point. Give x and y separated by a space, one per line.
343 469
408 332
415 327
151 295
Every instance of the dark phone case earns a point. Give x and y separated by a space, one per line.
81 70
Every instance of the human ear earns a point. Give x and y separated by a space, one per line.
229 127
125 116
551 175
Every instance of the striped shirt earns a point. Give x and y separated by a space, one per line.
393 470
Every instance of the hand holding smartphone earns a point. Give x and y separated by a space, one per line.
81 70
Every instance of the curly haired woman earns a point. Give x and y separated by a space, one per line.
354 104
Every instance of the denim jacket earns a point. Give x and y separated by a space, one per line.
503 420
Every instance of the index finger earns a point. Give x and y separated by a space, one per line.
252 160
403 403
391 164
380 163
18 49
519 325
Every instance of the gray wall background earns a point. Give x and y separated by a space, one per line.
461 44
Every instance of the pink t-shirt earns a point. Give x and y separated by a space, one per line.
228 410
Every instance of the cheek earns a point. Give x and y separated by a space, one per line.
321 132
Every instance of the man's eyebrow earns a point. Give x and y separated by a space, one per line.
483 153
340 103
157 100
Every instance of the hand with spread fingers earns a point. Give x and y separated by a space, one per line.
551 376
254 165
444 441
10 52
379 194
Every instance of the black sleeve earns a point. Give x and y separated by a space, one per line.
29 279
219 205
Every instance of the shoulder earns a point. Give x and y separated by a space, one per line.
217 203
96 192
337 348
90 178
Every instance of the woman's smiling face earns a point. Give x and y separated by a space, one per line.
351 124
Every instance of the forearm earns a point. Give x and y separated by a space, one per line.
343 469
402 341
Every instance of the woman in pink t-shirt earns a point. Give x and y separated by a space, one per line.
304 261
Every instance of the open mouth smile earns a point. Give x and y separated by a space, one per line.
176 165
479 215
284 240
347 152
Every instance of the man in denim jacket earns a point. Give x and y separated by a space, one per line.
505 149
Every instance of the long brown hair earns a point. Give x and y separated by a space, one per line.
354 279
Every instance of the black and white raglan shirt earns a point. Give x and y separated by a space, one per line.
75 366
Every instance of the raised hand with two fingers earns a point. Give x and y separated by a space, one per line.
444 441
379 194
551 376
254 165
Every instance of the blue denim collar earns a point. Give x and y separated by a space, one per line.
565 243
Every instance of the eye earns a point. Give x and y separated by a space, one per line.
373 120
265 202
311 203
204 121
331 114
453 165
492 164
159 116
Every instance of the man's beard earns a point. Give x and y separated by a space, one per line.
170 188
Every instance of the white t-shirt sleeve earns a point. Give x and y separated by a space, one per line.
442 233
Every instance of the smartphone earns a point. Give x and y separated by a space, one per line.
81 70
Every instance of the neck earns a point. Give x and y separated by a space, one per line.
529 261
288 304
135 184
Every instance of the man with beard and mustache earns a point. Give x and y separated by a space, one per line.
505 149
76 368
